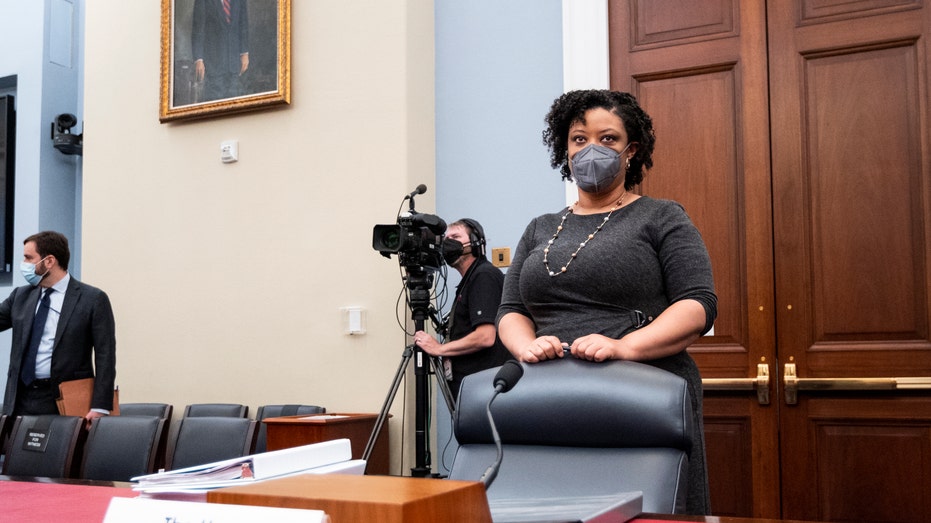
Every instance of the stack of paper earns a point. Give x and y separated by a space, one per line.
141 510
318 458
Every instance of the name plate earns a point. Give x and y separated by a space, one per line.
36 440
144 510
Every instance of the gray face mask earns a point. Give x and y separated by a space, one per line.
595 167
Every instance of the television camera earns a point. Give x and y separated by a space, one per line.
417 240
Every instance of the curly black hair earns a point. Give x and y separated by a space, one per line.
571 108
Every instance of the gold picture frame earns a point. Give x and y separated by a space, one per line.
262 28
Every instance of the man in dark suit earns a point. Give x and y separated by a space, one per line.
62 330
220 45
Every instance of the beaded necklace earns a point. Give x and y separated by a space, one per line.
546 250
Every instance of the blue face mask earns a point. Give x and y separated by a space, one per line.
29 273
595 167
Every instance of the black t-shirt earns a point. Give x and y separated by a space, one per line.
477 298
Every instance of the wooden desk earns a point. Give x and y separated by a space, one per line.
294 431
383 499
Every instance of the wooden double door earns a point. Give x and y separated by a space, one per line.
797 134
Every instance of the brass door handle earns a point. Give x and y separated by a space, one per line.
760 383
793 384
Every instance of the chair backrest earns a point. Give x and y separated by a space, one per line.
274 411
43 446
161 410
227 410
5 427
576 428
121 447
203 440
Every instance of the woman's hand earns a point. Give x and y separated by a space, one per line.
670 333
595 347
541 349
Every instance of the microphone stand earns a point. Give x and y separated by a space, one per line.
508 376
492 471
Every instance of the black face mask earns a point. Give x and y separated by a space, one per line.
452 250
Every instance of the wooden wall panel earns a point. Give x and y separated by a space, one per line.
694 115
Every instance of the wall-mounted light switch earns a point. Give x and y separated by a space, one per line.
501 256
354 320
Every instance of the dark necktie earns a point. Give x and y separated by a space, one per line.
28 371
226 10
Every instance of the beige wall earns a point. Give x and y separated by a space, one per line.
227 279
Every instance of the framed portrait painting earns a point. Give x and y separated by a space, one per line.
224 56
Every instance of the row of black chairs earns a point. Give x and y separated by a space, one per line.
117 448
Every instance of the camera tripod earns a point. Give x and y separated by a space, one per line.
419 283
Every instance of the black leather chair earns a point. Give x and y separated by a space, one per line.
121 447
274 411
50 455
231 410
575 428
203 440
161 410
5 426
4 432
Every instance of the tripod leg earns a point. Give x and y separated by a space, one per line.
422 452
383 415
442 384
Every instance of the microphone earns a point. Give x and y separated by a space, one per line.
507 376
419 190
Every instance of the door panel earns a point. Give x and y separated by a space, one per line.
796 135
728 435
852 170
701 104
864 458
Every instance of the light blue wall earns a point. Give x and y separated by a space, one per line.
47 37
43 42
498 69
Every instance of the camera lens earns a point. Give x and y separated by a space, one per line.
386 238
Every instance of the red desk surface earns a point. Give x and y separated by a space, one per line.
54 503
35 500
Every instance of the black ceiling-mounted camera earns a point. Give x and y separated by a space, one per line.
63 139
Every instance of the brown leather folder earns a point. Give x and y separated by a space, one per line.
74 398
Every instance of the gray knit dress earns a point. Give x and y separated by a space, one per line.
647 256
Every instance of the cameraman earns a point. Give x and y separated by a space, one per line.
473 343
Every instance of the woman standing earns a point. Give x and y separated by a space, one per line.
615 275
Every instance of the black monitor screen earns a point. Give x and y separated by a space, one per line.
7 150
